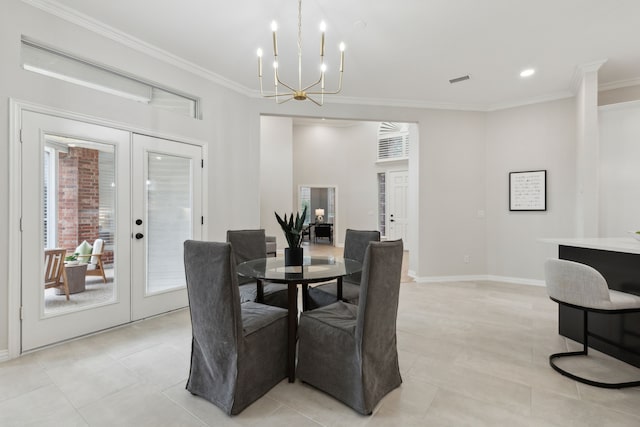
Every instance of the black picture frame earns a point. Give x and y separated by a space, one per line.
528 190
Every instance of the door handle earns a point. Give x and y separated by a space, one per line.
139 236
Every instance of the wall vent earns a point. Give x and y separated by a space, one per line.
459 79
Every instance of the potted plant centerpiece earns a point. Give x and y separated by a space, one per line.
293 233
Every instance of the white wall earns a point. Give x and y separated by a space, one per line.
341 157
277 190
452 191
534 137
619 169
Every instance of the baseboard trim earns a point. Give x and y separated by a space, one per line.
480 278
4 355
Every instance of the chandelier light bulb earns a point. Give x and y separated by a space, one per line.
259 53
274 26
275 64
323 67
342 47
323 26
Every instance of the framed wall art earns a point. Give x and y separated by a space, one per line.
528 191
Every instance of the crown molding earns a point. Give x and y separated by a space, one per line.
530 101
619 84
91 24
583 69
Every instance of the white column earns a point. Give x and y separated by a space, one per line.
587 149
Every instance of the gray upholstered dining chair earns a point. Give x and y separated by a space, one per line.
238 351
350 351
583 288
248 245
355 245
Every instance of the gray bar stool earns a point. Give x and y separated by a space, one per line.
583 288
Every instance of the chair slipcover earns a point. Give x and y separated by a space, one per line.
350 351
355 245
238 351
248 245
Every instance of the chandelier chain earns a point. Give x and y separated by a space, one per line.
300 43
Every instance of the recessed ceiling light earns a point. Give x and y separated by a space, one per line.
528 72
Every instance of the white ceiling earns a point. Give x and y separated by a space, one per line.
399 52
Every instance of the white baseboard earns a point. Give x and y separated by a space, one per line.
517 280
479 278
4 355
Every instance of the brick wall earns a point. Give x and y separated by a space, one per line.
78 199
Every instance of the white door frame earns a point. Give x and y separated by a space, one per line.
336 220
388 197
16 107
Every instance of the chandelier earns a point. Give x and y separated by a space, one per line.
301 93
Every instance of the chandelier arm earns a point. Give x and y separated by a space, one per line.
325 92
314 101
286 100
275 95
312 85
283 83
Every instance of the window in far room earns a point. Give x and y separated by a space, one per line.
393 141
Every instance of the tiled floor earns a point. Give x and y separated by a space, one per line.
471 353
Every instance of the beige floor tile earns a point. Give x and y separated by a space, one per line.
472 383
562 411
45 406
20 376
316 405
140 406
407 405
454 409
83 385
160 365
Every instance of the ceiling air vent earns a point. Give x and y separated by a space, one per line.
459 79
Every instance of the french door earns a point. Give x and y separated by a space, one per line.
140 196
166 211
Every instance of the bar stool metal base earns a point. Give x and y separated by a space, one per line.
585 352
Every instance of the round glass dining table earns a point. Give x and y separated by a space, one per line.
314 269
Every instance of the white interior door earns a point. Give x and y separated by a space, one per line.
167 210
74 186
398 186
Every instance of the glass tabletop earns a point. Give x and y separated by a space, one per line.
314 269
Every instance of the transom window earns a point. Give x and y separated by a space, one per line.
393 141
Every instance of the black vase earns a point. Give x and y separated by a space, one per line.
293 256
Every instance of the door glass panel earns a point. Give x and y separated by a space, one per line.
78 206
169 220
